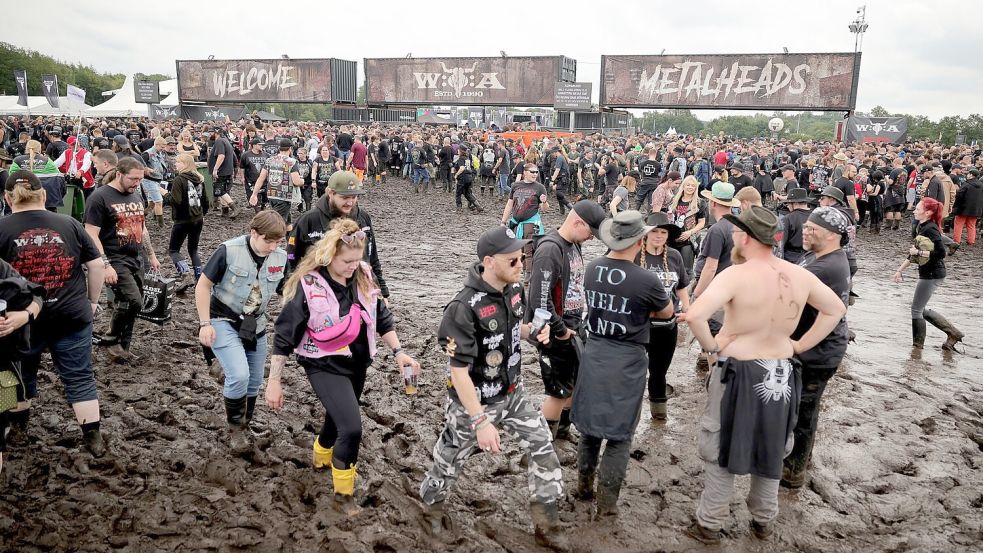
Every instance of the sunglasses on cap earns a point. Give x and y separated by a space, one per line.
352 236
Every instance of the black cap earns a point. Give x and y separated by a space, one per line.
22 177
591 212
121 140
286 144
926 168
498 240
56 131
255 141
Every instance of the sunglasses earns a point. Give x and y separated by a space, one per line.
513 261
352 236
533 172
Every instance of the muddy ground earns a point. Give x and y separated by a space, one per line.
898 464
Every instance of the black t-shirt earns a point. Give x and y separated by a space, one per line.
50 250
222 146
467 176
252 164
134 136
833 269
620 295
215 271
649 170
611 173
526 199
55 149
119 217
345 141
670 270
717 245
145 145
846 186
740 182
325 168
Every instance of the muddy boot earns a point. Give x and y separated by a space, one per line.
17 429
247 419
658 409
233 210
762 531
563 428
94 442
322 455
546 520
235 410
954 336
702 364
918 329
585 485
609 483
791 478
185 281
344 491
225 211
435 520
119 355
703 534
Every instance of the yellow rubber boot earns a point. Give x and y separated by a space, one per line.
322 455
344 490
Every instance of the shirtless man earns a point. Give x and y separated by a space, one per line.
747 425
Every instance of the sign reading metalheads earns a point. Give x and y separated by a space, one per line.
731 81
281 80
526 81
876 129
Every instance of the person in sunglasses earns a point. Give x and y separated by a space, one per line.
333 313
480 332
528 196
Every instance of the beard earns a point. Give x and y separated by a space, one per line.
338 213
736 255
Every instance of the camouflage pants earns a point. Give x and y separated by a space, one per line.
513 415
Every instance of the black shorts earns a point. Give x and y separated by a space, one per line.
559 363
897 208
281 207
222 186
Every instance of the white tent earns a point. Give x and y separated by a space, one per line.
38 105
123 104
168 92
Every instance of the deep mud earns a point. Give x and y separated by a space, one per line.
898 463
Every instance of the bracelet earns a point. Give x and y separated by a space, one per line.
482 425
203 324
480 422
397 351
714 351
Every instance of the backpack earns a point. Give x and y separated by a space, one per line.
488 157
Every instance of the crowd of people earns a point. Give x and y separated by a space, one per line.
688 223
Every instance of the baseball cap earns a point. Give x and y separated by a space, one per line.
55 131
121 140
256 141
345 183
591 212
286 143
22 177
926 168
498 240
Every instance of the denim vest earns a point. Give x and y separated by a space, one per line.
241 273
323 306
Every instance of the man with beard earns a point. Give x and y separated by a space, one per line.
114 219
221 163
481 333
753 388
826 259
556 283
845 185
341 200
281 175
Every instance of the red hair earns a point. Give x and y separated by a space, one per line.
934 209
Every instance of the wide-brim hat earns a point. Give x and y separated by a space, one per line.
660 220
797 195
722 193
760 223
623 230
840 156
835 193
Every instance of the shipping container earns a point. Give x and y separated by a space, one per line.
344 81
373 115
270 80
594 120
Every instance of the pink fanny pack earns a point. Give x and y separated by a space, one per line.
338 336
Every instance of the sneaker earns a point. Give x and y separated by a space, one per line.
658 410
703 534
185 281
119 355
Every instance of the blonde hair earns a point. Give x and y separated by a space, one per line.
159 141
33 149
694 203
324 252
630 183
23 194
189 163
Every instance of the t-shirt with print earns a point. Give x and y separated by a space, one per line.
50 250
526 199
717 244
649 170
119 217
325 168
685 220
278 171
669 268
620 295
252 164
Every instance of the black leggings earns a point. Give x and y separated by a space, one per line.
661 347
180 232
342 428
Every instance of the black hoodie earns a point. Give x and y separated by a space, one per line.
969 199
312 226
481 330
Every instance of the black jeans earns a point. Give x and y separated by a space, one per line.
464 189
128 300
342 427
610 468
661 347
180 232
813 385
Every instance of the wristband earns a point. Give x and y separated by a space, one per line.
203 324
397 351
480 422
714 351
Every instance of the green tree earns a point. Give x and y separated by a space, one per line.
36 64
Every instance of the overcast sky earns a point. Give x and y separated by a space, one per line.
918 57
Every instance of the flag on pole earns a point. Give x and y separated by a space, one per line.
21 78
76 94
49 83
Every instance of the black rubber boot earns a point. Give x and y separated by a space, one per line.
954 336
918 329
235 410
17 427
587 454
563 428
546 519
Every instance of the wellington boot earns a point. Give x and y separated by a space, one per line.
918 329
435 520
585 486
322 455
609 481
563 428
256 429
954 335
94 442
546 520
233 210
344 490
762 531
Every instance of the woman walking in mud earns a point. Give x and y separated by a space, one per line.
928 252
332 313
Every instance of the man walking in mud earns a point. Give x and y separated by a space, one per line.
556 283
821 235
753 388
481 332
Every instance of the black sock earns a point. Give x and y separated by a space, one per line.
90 427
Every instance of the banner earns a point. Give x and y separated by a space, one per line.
892 130
572 96
146 92
49 84
76 94
21 78
281 80
497 81
158 112
213 113
732 81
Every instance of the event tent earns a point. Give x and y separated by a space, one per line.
38 105
123 104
